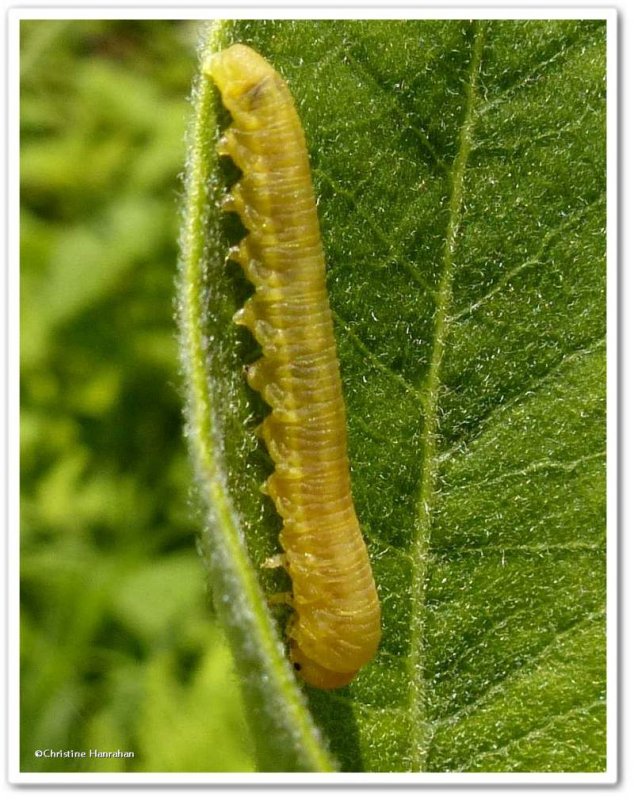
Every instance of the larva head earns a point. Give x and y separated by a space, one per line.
243 77
314 674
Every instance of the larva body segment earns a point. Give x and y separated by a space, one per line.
336 627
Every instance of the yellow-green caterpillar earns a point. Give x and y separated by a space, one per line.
336 626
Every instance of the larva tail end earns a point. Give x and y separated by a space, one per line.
314 674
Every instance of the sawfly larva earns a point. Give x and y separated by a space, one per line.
336 624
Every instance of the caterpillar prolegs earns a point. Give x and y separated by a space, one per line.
336 627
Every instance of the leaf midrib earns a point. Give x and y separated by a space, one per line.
421 729
205 440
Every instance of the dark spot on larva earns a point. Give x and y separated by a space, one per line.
297 666
254 94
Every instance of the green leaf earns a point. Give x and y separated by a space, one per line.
286 737
460 170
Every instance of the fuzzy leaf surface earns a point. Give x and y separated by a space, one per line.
460 171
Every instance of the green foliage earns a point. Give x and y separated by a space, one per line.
460 169
118 648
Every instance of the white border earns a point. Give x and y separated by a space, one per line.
612 471
321 11
282 11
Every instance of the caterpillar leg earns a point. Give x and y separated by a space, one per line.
285 598
276 561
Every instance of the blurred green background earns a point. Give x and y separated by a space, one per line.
119 647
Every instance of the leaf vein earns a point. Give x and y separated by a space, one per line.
536 259
587 349
539 71
387 242
421 730
403 113
363 348
496 688
533 733
443 554
530 469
